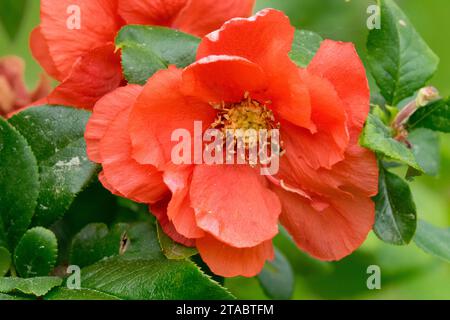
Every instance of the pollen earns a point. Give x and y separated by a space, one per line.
244 119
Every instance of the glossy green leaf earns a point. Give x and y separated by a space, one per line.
433 240
425 147
400 60
56 136
305 45
378 137
95 242
19 184
173 250
142 241
435 116
62 293
11 16
277 278
145 50
160 279
139 270
38 286
36 253
395 220
5 261
5 297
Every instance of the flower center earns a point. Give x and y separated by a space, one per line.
250 121
244 115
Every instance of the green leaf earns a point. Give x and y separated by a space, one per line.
400 60
304 48
56 136
277 278
434 116
38 286
143 242
395 220
173 250
36 253
4 297
62 293
95 242
19 184
433 240
425 147
160 279
5 261
377 137
145 50
11 16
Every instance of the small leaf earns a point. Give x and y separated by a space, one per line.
56 136
19 184
145 50
5 261
277 278
62 293
377 137
143 242
173 250
95 242
400 60
304 48
395 220
11 15
160 279
38 286
36 253
425 147
434 116
433 240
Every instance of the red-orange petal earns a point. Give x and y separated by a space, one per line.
66 39
179 211
329 232
159 110
223 78
327 145
151 12
340 64
228 261
289 95
41 53
93 75
233 203
356 174
159 210
200 17
107 185
105 111
265 39
140 183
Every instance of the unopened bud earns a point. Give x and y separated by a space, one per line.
426 95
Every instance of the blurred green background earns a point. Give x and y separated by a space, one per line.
407 272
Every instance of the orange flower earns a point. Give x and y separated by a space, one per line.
14 95
322 192
75 41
